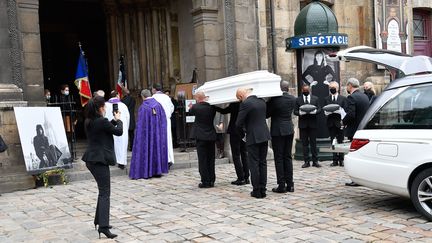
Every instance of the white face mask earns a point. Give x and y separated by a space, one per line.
66 92
48 97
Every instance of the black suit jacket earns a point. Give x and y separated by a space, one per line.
280 110
100 148
252 118
129 101
203 128
334 120
357 105
308 120
233 109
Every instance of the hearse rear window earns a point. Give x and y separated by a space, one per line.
411 109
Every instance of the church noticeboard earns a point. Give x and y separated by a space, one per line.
392 25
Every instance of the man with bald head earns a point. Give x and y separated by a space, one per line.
252 119
205 135
280 110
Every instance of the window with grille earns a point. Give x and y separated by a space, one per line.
419 26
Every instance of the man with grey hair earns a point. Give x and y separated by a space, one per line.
357 105
149 151
100 93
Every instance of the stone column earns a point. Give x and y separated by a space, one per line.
285 14
12 167
207 37
31 53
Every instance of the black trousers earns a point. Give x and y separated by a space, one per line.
239 155
337 133
282 147
101 173
308 137
206 161
131 139
257 155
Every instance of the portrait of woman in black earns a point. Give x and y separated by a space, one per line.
319 75
99 155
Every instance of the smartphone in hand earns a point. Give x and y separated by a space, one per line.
115 108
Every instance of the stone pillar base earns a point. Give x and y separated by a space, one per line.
13 174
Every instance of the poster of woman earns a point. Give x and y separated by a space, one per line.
317 72
43 138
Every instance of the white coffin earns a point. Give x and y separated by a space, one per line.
264 84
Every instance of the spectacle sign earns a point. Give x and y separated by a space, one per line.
301 42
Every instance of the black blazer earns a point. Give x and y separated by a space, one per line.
203 128
252 118
280 110
308 120
357 105
334 120
100 147
233 109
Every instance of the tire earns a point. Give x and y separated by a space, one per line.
422 202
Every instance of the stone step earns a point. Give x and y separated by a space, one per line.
15 182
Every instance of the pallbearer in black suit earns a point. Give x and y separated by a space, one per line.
205 135
308 125
238 146
280 110
334 120
252 118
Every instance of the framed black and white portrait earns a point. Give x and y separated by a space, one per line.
317 72
43 138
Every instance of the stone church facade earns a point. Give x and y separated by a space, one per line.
165 41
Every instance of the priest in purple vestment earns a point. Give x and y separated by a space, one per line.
150 150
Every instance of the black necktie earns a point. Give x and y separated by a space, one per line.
334 98
306 100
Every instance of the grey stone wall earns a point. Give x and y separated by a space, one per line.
5 45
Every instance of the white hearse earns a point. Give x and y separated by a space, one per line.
392 149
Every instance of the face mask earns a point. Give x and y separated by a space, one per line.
306 93
66 92
48 97
333 91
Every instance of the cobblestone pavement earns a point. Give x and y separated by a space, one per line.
173 209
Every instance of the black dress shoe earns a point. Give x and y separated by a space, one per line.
335 163
352 183
169 165
256 194
316 164
290 187
341 163
306 164
238 182
280 189
121 166
247 181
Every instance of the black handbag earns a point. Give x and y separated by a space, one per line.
3 145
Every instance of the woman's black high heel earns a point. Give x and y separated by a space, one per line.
107 233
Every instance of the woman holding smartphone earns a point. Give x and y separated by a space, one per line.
99 155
